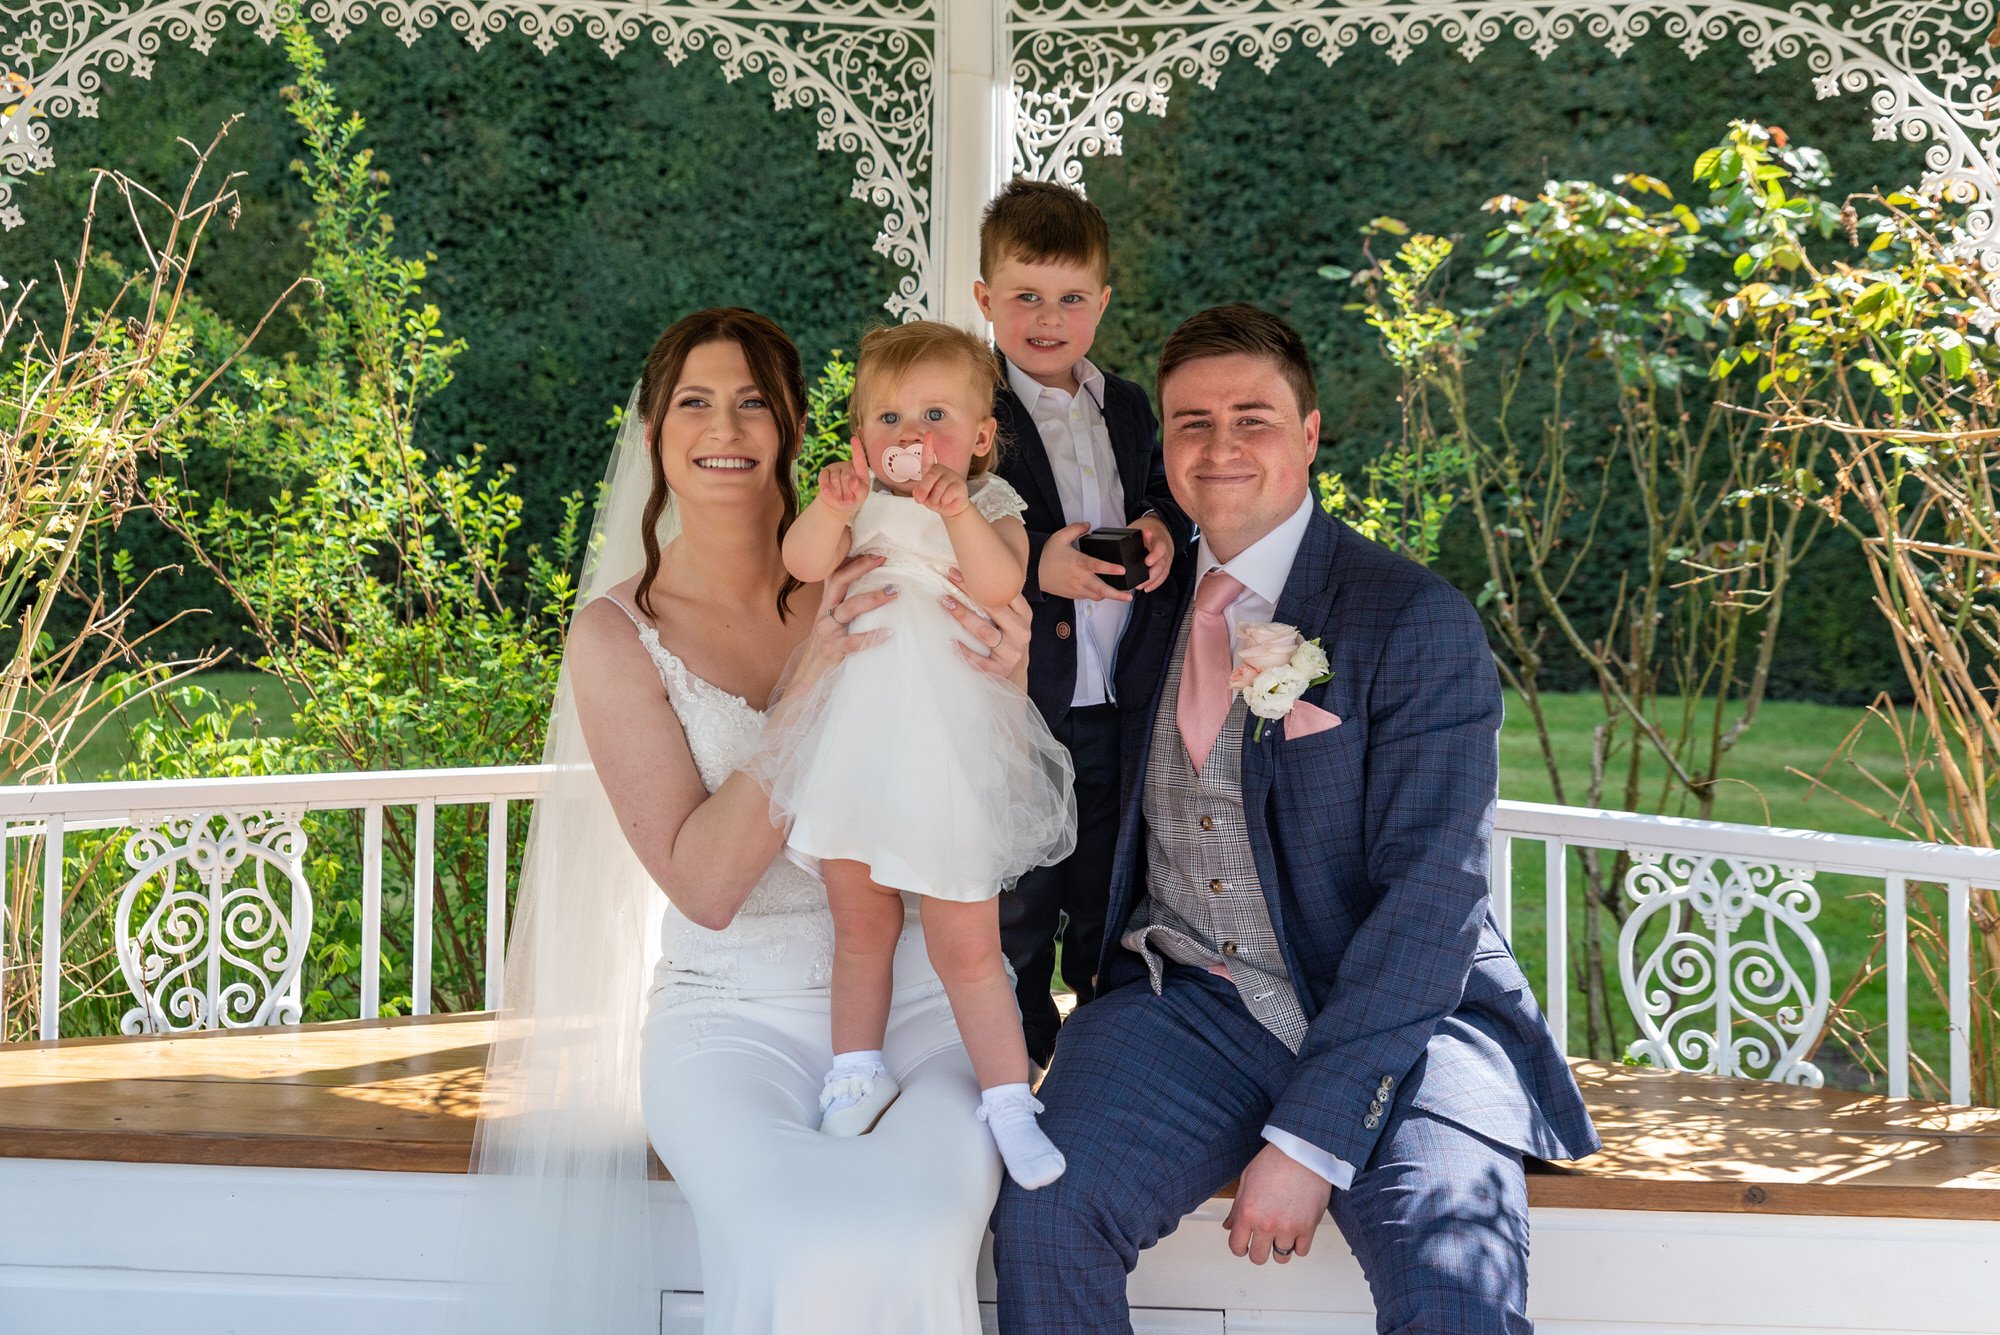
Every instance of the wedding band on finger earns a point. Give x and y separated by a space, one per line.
1276 1250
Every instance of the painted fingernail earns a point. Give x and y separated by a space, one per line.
951 604
891 590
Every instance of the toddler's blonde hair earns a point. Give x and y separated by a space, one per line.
889 354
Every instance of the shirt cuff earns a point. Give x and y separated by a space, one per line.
1338 1172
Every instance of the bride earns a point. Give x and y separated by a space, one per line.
698 1018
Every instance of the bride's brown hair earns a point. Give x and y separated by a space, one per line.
774 369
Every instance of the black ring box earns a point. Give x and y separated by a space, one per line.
1125 546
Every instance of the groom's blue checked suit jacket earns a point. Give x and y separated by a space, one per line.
1371 842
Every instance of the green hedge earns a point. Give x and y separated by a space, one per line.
576 205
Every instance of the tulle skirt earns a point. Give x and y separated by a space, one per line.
943 779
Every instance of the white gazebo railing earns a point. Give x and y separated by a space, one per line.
1718 959
212 826
1725 874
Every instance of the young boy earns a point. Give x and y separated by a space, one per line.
1083 448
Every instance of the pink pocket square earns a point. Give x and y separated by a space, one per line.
1307 719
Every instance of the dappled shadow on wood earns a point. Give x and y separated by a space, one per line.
404 1095
1701 1142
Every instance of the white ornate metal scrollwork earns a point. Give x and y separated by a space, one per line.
214 954
867 65
1709 995
1079 66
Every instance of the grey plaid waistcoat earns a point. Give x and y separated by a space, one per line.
1204 903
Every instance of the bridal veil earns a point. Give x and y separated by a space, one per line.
557 1234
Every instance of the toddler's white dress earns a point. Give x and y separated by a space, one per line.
942 778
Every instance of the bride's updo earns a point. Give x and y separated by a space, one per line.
774 367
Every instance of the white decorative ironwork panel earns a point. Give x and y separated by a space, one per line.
867 67
1719 989
1078 67
212 953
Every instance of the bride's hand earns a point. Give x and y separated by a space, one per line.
1003 630
830 641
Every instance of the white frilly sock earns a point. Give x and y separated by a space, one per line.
1009 1113
859 1067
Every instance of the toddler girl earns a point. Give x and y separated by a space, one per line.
907 769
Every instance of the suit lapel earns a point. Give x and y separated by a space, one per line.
1309 591
1305 603
1020 426
1138 738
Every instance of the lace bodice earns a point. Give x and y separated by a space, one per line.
722 730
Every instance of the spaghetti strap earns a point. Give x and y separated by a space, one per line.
630 615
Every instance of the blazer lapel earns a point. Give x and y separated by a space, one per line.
1020 427
1137 739
1308 596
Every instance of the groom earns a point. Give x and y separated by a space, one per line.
1302 984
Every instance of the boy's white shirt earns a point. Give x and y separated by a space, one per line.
1078 445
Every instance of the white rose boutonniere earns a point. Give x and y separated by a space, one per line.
1275 665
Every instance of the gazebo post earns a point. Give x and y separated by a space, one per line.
970 154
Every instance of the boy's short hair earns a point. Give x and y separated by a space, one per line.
1040 222
1240 329
889 353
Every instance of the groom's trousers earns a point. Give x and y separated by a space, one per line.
1160 1101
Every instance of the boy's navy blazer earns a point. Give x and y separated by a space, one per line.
1024 462
1371 839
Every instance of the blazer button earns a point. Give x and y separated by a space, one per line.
1229 948
1207 823
1215 887
1373 1120
1062 630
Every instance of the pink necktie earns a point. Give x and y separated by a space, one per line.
1205 695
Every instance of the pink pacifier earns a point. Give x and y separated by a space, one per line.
903 463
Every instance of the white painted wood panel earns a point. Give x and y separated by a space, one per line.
91 1248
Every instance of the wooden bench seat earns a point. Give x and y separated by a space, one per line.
403 1095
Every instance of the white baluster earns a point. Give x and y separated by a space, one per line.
1500 882
371 911
1555 860
7 962
52 906
496 902
1897 928
1959 906
420 933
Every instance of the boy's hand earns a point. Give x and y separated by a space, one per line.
940 489
1159 550
844 486
1065 572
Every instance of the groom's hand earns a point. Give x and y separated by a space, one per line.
1279 1204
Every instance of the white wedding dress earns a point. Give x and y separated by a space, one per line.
939 777
803 1234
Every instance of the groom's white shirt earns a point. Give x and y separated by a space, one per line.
1262 569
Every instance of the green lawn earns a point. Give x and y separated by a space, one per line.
110 749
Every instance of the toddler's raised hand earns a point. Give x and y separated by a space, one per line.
940 489
843 486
